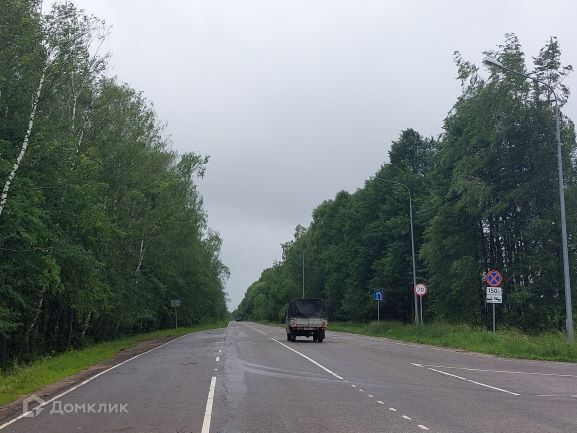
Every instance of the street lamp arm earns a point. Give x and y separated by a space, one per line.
397 183
565 249
492 62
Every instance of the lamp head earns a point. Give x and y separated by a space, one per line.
490 61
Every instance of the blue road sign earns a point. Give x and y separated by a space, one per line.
378 295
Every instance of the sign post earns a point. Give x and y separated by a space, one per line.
175 303
378 296
421 290
494 292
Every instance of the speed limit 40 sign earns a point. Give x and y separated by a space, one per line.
421 289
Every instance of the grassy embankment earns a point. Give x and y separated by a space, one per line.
509 343
27 379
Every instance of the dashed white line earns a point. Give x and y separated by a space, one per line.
496 371
472 381
217 358
392 409
219 351
216 369
208 411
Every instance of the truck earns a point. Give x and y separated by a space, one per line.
306 317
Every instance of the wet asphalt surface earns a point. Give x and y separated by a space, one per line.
346 384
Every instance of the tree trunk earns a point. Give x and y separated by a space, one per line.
24 146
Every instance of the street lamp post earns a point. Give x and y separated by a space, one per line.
412 244
303 274
489 61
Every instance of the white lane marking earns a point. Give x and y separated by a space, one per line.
208 411
497 371
309 359
380 402
219 351
257 330
392 409
472 381
354 386
370 396
300 354
422 427
216 369
406 417
362 390
90 379
217 358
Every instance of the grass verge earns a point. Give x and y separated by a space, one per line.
506 343
27 379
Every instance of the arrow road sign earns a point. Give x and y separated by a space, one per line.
378 295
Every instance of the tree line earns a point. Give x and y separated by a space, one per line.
485 196
101 222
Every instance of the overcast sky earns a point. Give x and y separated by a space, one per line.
295 100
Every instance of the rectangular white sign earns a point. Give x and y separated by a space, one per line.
494 299
494 291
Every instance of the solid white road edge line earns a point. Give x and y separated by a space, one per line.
208 411
90 379
309 359
298 353
472 381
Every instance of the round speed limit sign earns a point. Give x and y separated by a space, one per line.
421 289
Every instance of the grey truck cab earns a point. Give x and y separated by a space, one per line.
306 318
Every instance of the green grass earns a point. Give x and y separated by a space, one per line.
550 346
27 379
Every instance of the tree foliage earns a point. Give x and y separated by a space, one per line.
103 224
485 196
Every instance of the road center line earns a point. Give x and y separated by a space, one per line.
471 381
208 411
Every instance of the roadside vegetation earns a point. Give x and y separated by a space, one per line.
26 379
101 222
485 195
508 343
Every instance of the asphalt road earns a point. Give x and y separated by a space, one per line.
249 379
